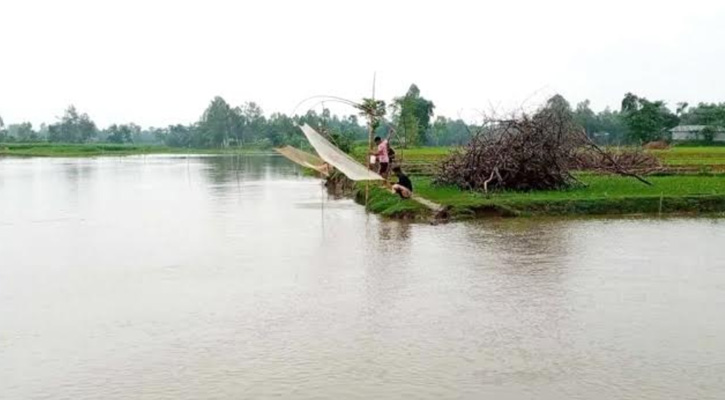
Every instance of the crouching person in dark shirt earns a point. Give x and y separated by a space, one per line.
404 187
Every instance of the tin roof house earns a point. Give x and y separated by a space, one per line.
683 133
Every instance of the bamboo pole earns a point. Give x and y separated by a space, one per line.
371 132
371 117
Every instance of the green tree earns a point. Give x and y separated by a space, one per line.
681 108
556 105
412 116
281 129
217 126
352 125
439 130
252 123
159 134
406 123
712 114
3 132
43 131
140 135
374 111
449 132
339 131
72 128
585 117
647 120
121 133
612 127
558 108
178 135
22 132
708 134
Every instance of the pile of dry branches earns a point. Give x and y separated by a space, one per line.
534 153
616 161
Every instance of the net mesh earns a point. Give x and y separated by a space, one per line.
337 158
303 158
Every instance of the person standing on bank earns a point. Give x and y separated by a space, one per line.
404 187
382 156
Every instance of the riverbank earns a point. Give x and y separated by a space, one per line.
678 193
104 149
602 195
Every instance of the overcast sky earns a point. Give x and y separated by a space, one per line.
161 62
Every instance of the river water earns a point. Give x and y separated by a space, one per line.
173 277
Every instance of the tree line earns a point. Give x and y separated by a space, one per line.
638 120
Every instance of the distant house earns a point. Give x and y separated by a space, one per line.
683 133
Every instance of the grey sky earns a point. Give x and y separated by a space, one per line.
161 62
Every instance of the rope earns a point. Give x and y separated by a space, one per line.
322 209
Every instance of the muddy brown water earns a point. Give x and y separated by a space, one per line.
173 277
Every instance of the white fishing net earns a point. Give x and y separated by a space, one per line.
337 158
303 158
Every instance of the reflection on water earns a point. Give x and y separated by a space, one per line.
177 277
223 170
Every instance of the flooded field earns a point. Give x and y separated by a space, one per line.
173 277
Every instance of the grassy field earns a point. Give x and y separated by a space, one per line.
413 154
601 195
694 156
603 186
416 161
101 149
420 160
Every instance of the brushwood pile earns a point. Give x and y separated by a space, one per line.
535 152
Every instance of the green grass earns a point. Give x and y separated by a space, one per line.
412 154
692 159
601 186
692 156
423 152
602 195
381 201
101 149
415 161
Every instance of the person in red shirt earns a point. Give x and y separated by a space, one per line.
382 156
